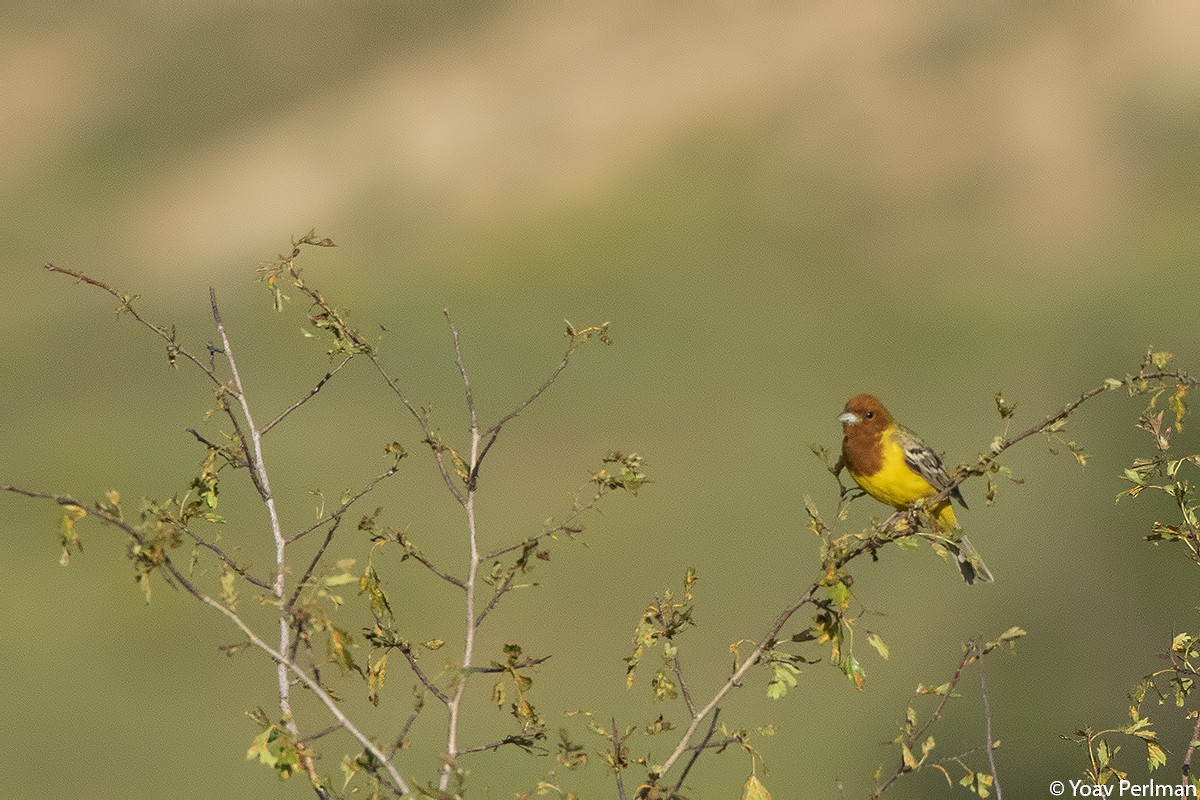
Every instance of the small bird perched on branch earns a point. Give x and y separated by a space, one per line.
892 464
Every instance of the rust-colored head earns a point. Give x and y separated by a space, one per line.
864 415
863 422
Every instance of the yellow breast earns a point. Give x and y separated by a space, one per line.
898 485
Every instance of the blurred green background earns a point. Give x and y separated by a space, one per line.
776 205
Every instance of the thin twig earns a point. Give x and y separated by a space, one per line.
522 664
311 394
616 743
447 577
403 737
336 515
697 750
211 446
919 734
227 560
501 590
987 721
334 728
566 526
493 432
430 437
312 565
1187 757
462 371
422 677
735 678
494 746
173 347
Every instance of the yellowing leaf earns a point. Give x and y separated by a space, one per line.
229 593
881 648
754 790
375 674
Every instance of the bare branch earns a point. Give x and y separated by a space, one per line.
227 560
422 677
430 437
334 728
462 371
344 507
577 338
311 394
173 348
980 651
312 565
616 743
403 737
568 525
697 750
415 555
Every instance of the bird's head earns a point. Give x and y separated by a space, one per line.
864 414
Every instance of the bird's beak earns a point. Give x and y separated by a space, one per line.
848 418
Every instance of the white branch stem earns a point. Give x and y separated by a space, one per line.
472 623
290 666
279 585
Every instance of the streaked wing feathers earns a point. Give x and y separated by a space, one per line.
925 462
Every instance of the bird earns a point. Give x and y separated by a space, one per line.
891 463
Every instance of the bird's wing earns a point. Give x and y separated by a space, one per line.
925 462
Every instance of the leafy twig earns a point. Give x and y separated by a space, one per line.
279 658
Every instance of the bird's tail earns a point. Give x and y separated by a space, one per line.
970 563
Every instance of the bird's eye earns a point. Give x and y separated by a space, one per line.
870 415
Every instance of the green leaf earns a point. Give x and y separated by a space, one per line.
840 595
784 679
260 748
854 671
